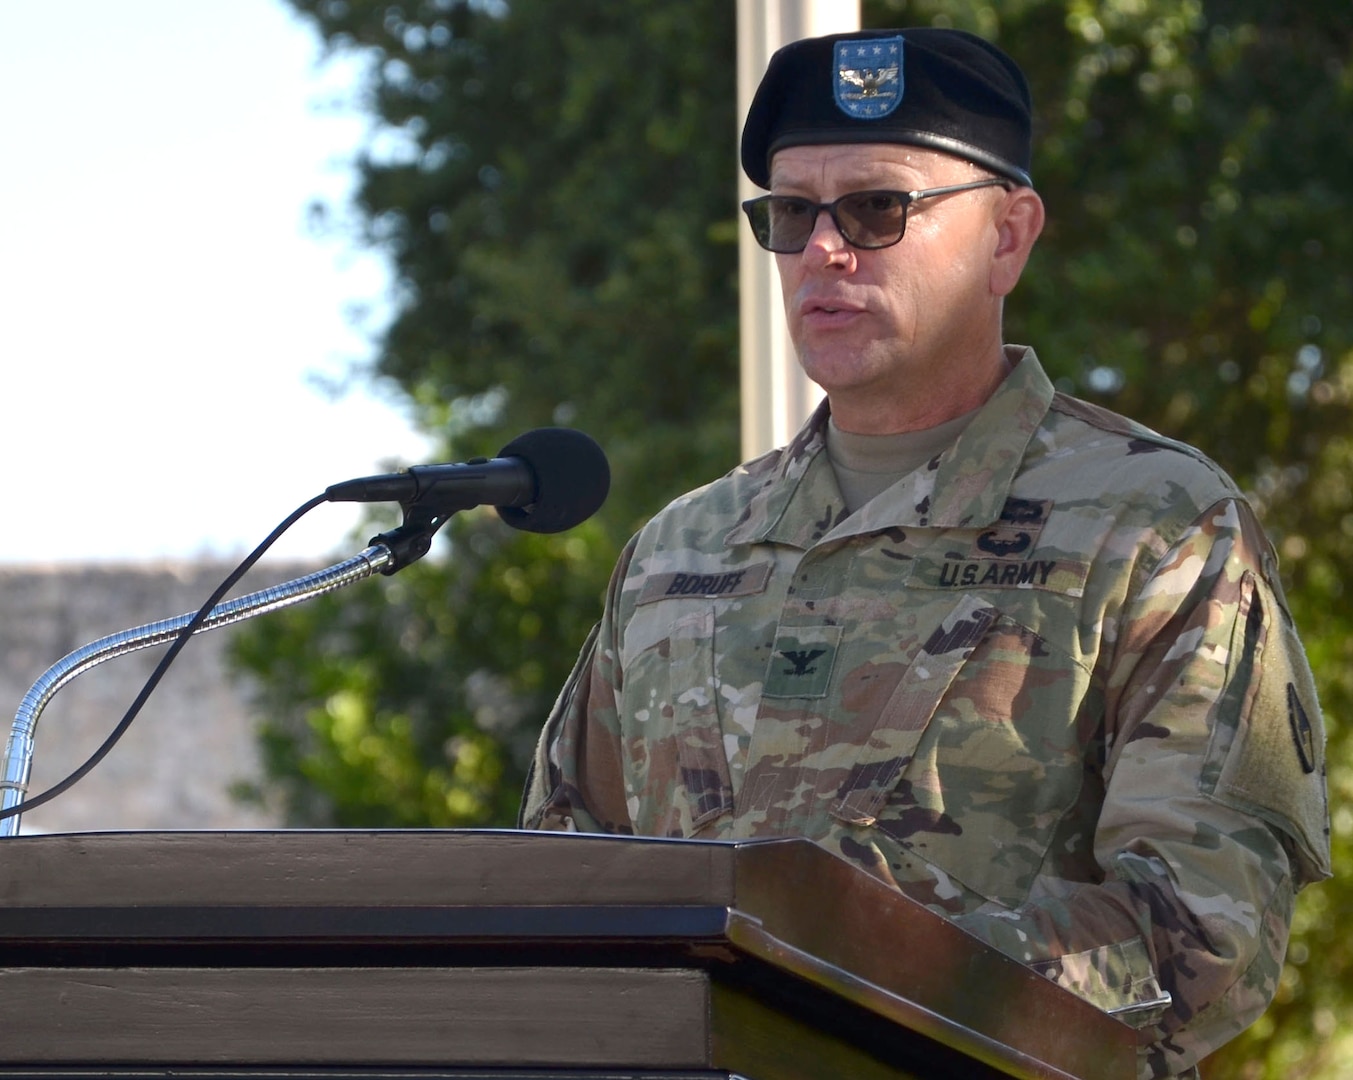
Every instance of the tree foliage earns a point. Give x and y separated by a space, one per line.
546 188
554 187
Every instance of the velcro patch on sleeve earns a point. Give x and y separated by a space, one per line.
1274 767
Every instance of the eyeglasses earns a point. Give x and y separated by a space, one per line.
865 219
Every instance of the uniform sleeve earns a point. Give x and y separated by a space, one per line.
1214 812
576 783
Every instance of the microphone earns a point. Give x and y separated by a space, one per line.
544 481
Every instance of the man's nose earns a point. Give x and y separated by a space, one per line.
826 237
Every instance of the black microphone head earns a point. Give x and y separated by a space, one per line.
572 479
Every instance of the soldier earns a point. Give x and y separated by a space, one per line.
1021 657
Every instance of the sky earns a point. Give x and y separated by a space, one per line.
168 322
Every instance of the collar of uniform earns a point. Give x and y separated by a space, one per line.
976 473
967 490
801 473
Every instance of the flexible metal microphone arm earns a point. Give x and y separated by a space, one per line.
550 479
17 765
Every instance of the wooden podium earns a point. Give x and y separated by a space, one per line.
501 955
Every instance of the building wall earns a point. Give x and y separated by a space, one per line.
174 766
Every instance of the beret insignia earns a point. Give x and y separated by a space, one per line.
868 76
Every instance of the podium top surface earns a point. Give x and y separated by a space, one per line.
362 868
787 903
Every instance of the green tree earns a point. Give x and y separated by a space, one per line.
554 186
551 187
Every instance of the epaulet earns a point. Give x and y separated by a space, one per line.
1140 437
1105 419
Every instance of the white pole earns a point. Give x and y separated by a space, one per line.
776 396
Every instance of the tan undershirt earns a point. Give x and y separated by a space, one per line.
866 465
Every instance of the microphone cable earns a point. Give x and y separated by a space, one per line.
175 647
571 479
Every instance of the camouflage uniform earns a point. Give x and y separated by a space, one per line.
1047 684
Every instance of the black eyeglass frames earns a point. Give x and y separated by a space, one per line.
866 219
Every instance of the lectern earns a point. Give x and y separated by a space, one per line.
501 955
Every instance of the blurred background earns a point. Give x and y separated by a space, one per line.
481 216
180 333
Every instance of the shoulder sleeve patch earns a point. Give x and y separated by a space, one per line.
1274 765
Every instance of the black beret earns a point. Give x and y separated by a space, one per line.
943 89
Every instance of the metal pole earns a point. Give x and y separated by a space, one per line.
776 396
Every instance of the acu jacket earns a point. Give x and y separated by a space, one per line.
1046 685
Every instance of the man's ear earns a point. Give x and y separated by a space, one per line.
1017 227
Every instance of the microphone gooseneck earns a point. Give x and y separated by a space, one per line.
545 481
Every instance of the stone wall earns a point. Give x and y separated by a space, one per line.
174 767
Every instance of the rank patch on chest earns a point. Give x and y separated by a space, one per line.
801 662
714 584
